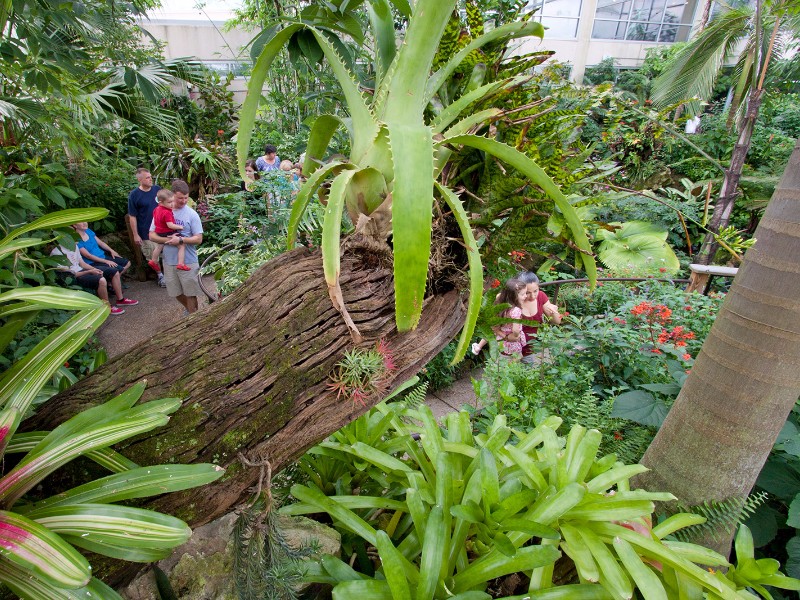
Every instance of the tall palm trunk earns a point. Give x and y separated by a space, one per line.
727 417
727 195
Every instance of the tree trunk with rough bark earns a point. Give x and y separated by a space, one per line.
746 379
723 207
253 373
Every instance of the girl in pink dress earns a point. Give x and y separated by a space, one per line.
510 335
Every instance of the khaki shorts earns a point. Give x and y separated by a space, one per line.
147 249
182 283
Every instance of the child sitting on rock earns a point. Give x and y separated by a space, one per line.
165 225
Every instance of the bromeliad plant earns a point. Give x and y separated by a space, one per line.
389 184
451 513
38 534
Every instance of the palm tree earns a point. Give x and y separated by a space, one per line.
744 382
754 32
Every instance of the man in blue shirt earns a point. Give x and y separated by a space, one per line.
141 204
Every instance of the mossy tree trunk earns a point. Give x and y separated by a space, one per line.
746 379
253 373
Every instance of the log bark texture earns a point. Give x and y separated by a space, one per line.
253 372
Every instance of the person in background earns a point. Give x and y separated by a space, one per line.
91 278
182 285
270 161
535 307
251 174
141 204
511 334
93 250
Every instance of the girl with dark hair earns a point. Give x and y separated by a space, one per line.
511 334
535 307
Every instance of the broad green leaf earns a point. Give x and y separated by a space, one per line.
108 525
636 244
381 21
136 483
321 133
412 213
25 585
350 502
641 407
16 245
9 421
532 171
396 568
304 196
22 382
33 547
105 457
435 547
405 97
27 474
475 270
346 517
44 296
59 218
369 589
453 110
496 564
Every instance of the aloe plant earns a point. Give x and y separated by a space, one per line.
452 512
389 184
39 536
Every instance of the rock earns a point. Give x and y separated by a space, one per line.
202 569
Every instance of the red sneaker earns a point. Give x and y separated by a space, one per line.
183 268
115 310
127 302
154 265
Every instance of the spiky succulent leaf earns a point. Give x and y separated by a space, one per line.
475 270
305 195
247 114
537 176
412 210
322 131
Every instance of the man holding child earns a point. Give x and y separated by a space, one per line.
183 285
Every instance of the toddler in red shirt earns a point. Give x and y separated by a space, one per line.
165 225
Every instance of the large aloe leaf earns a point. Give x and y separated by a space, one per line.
412 213
322 131
141 482
509 30
34 548
45 296
247 114
59 218
382 22
534 172
475 270
332 227
406 87
451 112
113 530
22 382
305 195
364 128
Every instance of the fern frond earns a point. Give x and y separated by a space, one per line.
721 517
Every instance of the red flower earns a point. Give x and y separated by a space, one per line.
687 356
66 364
687 308
662 270
617 435
495 283
655 350
220 132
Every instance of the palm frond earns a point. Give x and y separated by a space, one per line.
693 71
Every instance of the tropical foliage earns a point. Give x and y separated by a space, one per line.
453 515
41 533
387 129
